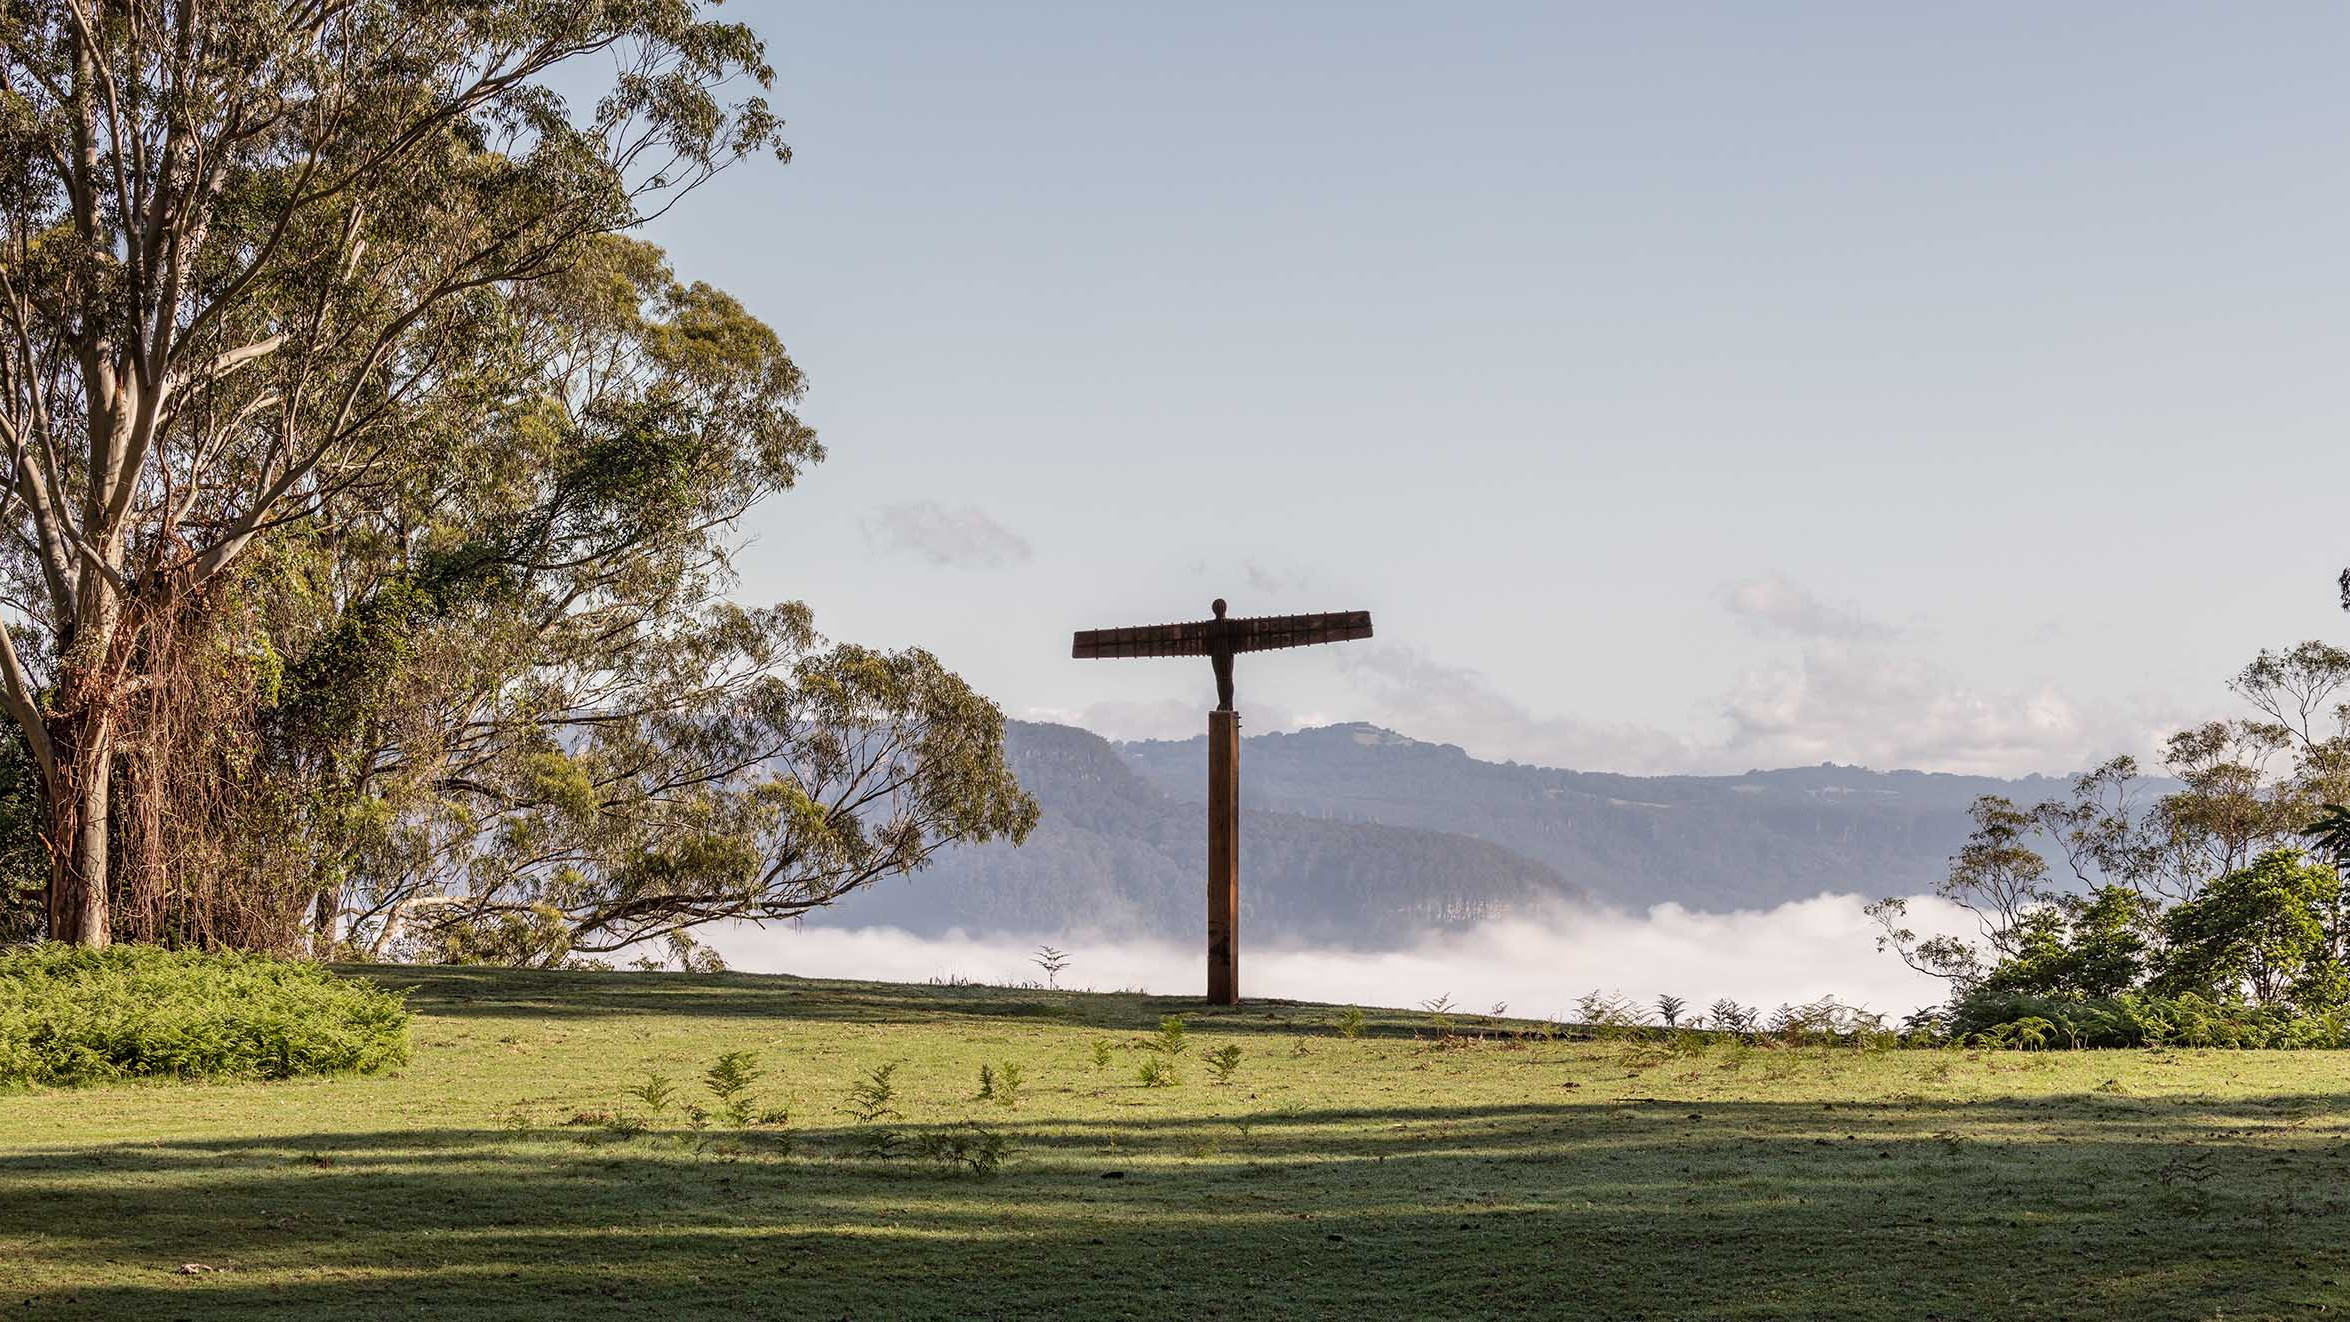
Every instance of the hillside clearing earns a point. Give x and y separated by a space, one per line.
1399 1173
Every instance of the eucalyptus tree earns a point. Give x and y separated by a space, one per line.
509 708
2143 853
290 414
245 249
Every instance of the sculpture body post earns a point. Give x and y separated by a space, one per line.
1220 639
1224 857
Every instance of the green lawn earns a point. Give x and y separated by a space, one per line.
1397 1175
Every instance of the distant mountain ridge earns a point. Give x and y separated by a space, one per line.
1711 842
1355 835
1115 853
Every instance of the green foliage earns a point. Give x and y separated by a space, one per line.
355 324
2200 892
1826 1022
2329 832
1161 1068
729 1080
2256 931
2136 1019
443 616
528 936
1171 1040
24 860
968 1149
70 1015
873 1098
1001 1086
1688 1042
1669 1008
1606 1016
1101 1053
2082 947
1224 1062
1350 1022
656 1092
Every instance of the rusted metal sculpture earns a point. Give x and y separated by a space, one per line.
1219 640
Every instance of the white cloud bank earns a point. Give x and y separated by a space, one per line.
1794 953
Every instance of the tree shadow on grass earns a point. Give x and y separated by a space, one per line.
480 992
1975 1210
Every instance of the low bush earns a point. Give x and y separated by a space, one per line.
70 1015
2136 1019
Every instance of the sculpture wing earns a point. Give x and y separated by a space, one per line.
1263 633
1144 640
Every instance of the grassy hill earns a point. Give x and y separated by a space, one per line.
1401 1174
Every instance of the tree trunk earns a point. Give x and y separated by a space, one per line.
325 916
79 807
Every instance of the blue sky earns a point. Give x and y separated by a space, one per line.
1682 387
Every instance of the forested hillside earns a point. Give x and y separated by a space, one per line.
1711 842
1359 836
1115 853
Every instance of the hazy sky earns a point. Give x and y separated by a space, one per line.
1682 387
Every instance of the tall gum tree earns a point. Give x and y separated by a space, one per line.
246 251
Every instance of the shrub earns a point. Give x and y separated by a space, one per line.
1731 1017
70 1015
1608 1016
972 1149
2134 1019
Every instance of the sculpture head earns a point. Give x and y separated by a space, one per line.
1218 608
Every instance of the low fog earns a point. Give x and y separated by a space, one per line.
1794 953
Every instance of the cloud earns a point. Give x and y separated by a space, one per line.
1852 690
1796 952
1851 703
1772 602
1408 691
962 538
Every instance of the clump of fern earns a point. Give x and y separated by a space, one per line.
872 1100
969 1149
729 1080
1161 1068
1000 1086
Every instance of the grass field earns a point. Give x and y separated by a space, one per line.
1394 1175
